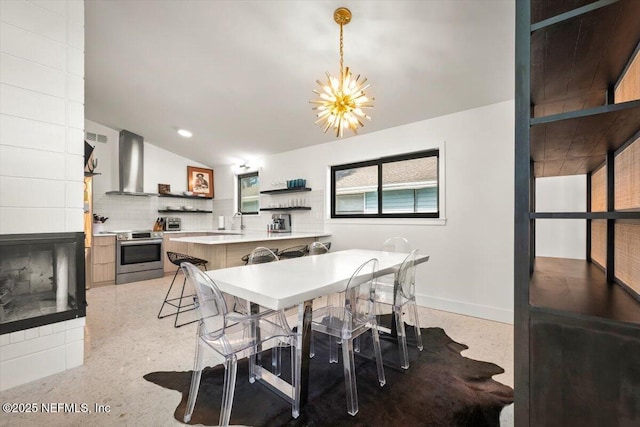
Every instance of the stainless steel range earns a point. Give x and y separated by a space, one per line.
138 256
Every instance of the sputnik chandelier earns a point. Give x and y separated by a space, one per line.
343 99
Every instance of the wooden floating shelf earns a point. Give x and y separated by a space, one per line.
297 208
182 211
182 196
286 190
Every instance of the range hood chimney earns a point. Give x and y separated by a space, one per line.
130 165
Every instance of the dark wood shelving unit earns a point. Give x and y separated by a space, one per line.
182 196
286 190
578 142
576 55
586 215
577 324
297 208
183 211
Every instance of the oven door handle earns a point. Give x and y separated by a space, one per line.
139 242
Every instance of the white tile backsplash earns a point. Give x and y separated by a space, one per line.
75 61
28 163
75 35
23 44
36 18
30 75
75 142
75 88
33 192
76 11
74 195
74 353
74 219
74 168
33 345
45 330
32 367
16 101
75 115
17 337
34 220
41 158
73 335
5 339
20 132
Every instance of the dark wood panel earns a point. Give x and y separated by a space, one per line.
555 167
584 56
578 287
626 215
583 372
572 104
582 140
545 9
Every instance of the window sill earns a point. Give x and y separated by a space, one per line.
387 221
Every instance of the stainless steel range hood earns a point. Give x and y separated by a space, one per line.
131 165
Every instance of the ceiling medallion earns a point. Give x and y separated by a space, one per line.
343 99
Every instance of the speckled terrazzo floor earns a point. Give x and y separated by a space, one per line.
124 340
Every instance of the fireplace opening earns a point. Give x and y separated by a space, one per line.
42 279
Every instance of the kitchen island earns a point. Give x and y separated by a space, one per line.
226 250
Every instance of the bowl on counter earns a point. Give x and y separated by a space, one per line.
188 193
188 208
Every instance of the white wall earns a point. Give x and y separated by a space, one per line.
561 238
471 266
41 159
160 167
41 116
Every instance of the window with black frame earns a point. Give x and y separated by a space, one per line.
248 193
402 186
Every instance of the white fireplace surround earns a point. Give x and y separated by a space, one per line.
41 160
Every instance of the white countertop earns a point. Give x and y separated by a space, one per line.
247 236
204 231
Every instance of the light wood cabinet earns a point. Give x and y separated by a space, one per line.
103 260
179 247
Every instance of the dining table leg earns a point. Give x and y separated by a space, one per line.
303 353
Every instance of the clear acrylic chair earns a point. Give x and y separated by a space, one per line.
396 244
349 321
232 336
398 296
259 255
317 248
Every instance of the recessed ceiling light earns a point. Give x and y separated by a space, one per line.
185 133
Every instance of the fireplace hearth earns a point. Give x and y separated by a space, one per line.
42 279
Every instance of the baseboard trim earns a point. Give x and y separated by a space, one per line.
467 309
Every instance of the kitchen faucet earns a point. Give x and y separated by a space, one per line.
240 215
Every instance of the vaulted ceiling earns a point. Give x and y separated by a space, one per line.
240 74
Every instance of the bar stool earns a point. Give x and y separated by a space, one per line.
177 259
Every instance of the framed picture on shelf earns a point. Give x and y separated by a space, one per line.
200 181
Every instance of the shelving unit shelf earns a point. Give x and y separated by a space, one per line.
296 208
286 190
577 319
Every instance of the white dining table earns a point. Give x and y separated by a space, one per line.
297 282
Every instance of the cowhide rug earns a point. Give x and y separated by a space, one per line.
441 388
